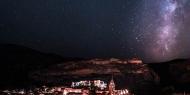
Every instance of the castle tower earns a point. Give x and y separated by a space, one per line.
112 87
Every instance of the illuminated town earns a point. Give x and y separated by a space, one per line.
95 87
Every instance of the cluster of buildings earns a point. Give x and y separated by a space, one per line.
115 60
97 83
101 88
96 87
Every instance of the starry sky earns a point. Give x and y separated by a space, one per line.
153 30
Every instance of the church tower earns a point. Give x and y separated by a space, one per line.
112 87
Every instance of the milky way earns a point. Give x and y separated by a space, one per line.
168 29
163 25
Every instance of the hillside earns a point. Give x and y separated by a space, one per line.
17 61
175 74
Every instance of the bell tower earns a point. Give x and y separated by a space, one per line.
112 87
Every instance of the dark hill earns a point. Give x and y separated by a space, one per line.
17 61
175 73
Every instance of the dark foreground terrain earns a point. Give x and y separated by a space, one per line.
174 75
18 61
25 67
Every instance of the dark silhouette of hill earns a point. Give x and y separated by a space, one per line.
17 61
175 73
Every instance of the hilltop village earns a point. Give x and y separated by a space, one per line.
93 87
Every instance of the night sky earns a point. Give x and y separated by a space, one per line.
153 30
